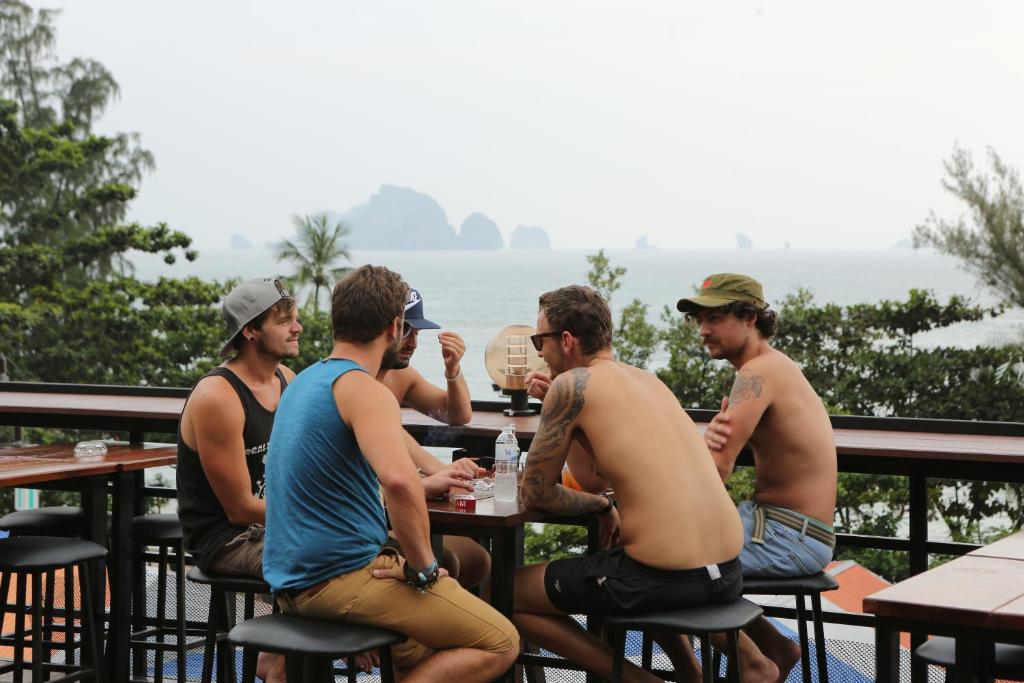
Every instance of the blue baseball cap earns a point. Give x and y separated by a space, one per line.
414 312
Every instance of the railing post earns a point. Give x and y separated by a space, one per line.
918 523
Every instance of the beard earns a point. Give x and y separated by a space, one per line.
390 359
264 348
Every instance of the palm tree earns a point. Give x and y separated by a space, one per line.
317 247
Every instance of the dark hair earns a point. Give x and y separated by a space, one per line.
582 312
765 319
365 302
284 306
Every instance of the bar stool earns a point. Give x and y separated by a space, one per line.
941 651
164 532
801 587
701 621
60 520
223 589
310 646
30 557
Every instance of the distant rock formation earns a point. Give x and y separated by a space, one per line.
479 232
743 242
905 243
530 237
641 243
240 242
398 218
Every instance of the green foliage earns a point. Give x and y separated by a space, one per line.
317 247
990 241
553 542
68 181
602 276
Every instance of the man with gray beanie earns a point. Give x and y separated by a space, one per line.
224 432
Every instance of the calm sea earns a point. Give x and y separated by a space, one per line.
476 293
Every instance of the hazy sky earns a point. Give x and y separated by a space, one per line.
819 123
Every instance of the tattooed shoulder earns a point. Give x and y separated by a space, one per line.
746 386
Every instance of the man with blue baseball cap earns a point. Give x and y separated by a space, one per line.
451 404
464 558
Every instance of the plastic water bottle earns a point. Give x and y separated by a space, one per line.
511 427
505 467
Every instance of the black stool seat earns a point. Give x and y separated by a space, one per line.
288 634
62 520
157 527
790 585
703 619
46 552
229 583
1009 661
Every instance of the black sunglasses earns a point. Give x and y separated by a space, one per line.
406 329
538 339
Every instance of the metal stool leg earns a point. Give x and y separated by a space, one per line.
647 651
37 626
179 595
92 623
69 614
19 629
248 665
618 638
707 666
820 646
805 647
161 616
732 672
387 666
211 637
49 614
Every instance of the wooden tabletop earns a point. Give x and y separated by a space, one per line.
984 592
1010 548
489 513
20 466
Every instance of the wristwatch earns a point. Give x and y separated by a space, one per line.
611 505
423 579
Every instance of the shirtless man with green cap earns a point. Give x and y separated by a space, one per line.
772 407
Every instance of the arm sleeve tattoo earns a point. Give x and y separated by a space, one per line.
541 487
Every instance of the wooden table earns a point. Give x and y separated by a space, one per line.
977 599
123 466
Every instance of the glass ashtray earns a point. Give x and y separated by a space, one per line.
86 449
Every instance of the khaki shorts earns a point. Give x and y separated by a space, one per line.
242 555
442 618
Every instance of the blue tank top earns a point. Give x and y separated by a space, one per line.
324 511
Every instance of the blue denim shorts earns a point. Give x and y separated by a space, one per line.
785 551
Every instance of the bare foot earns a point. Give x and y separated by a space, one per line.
785 654
270 668
760 670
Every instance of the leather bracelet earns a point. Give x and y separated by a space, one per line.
457 375
612 504
423 579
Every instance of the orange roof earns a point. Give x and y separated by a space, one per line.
856 582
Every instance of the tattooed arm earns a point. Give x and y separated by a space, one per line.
541 487
742 411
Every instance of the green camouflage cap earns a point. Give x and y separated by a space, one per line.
724 288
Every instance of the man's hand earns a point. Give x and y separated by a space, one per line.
608 527
537 384
439 483
398 572
469 466
452 350
718 430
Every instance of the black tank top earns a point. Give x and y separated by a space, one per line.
206 525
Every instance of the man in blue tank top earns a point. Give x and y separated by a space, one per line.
223 436
337 446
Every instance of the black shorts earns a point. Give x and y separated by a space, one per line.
611 582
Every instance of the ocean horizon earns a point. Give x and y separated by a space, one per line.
476 293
